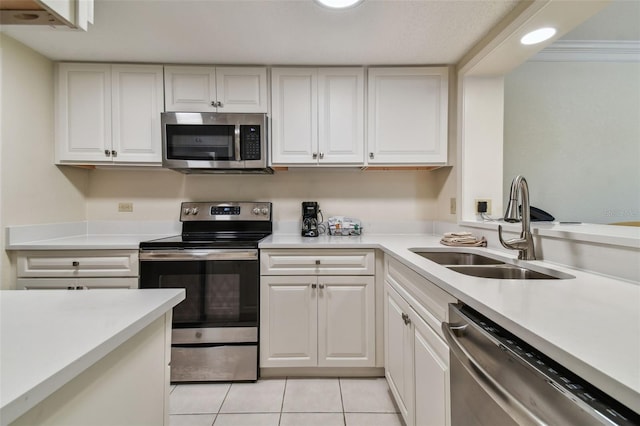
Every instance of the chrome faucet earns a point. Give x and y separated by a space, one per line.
525 243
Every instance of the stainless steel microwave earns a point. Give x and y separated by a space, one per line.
210 142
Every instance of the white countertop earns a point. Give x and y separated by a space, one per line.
87 242
50 337
590 324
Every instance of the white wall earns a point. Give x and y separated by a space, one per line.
573 130
372 196
32 189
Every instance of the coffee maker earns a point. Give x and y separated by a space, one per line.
310 210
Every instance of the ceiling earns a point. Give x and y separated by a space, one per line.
272 32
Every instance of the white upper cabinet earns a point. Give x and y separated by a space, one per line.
108 114
407 115
83 113
317 116
136 107
216 89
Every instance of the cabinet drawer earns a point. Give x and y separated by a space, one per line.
112 263
317 262
75 283
427 299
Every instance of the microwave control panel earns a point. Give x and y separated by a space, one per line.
250 142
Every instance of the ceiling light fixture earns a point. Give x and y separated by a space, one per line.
338 4
538 36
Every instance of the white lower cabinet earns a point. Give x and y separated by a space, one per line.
317 308
309 321
416 356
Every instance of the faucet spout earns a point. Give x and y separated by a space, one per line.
524 244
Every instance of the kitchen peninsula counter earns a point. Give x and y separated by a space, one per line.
589 323
53 340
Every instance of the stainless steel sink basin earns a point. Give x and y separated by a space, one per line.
478 265
457 258
504 272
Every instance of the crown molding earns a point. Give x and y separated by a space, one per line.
590 51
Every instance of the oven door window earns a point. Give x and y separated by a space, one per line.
201 142
218 293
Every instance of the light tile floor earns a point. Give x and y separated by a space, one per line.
285 402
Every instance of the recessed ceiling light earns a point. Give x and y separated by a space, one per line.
338 4
538 36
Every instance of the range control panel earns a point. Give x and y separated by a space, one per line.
219 210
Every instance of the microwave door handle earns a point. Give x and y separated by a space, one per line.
236 142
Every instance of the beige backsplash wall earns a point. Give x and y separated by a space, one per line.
372 196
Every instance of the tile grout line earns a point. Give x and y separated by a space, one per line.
344 416
284 392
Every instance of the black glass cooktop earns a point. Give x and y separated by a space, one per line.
206 241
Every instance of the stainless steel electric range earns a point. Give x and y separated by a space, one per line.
216 260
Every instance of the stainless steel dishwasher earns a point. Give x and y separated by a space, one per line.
498 379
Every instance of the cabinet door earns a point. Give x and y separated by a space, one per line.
288 321
398 353
83 113
190 89
346 321
294 116
241 89
137 104
431 363
407 115
341 115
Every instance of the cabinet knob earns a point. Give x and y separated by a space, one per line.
321 286
114 153
406 319
107 153
314 155
317 261
371 155
75 263
321 155
71 287
213 103
219 104
313 285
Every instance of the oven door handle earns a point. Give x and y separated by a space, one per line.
196 255
498 393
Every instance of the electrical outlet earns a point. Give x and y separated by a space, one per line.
125 207
478 205
452 205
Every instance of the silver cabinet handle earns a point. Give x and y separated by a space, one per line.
314 155
107 153
75 263
313 285
321 155
114 153
371 155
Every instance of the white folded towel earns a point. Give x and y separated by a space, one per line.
462 239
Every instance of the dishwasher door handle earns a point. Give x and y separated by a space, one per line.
521 414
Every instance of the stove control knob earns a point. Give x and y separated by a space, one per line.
194 210
264 211
256 211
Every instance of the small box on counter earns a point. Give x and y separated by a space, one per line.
344 226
